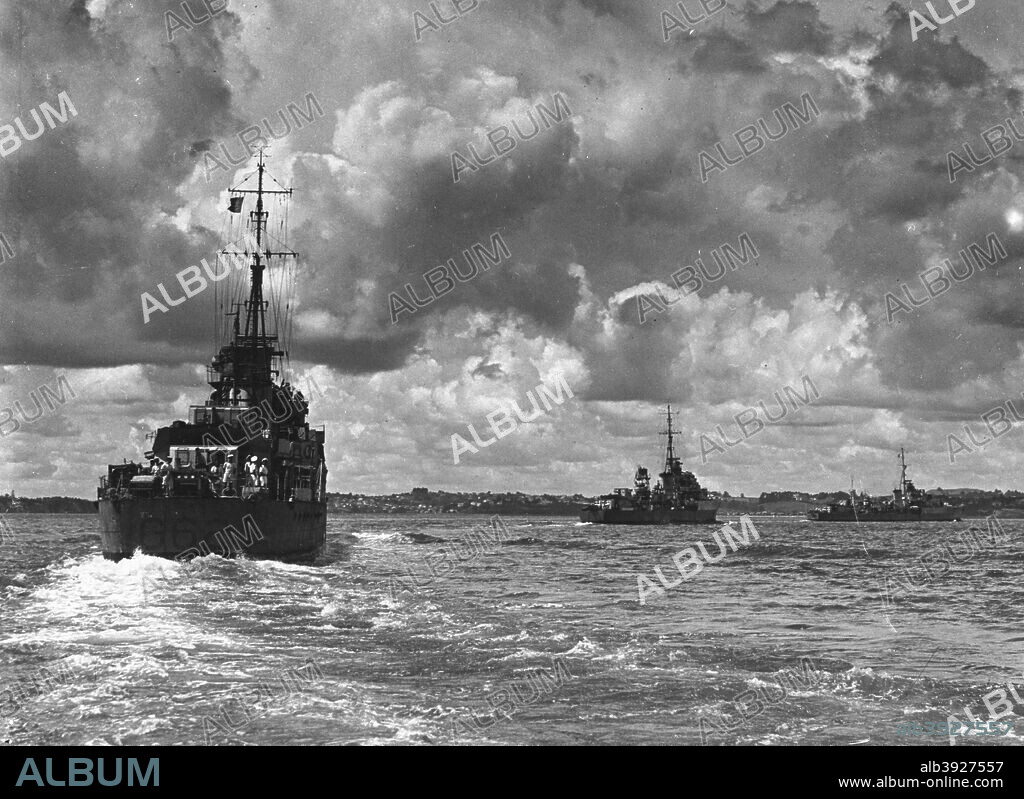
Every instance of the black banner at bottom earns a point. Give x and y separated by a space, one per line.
837 770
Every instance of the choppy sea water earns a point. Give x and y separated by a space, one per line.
445 630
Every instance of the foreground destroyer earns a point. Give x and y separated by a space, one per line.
676 499
246 473
908 504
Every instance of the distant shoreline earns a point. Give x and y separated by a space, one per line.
423 502
1005 513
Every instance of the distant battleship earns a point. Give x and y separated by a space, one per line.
246 472
908 504
677 498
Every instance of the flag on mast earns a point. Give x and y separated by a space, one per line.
235 204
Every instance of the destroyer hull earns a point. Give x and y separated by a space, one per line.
191 527
924 515
653 516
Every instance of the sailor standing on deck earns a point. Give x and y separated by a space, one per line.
250 472
229 476
264 474
168 473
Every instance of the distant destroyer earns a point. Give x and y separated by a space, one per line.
908 504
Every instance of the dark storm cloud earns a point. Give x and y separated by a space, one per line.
431 219
792 27
440 216
614 190
627 11
492 371
883 162
632 367
594 210
602 7
874 254
82 198
361 354
927 354
1001 303
929 60
720 51
567 212
977 217
913 188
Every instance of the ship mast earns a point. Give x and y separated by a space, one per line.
255 309
248 361
670 476
903 478
670 455
255 320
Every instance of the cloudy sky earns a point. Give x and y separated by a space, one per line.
597 210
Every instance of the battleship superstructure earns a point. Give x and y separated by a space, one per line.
246 473
908 504
677 498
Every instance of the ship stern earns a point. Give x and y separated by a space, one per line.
185 528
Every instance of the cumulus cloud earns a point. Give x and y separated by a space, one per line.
597 208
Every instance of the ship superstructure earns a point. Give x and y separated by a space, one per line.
677 498
245 473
